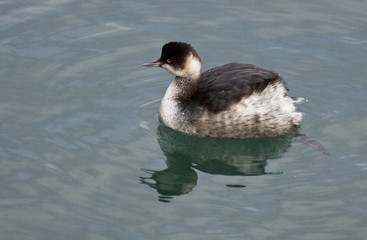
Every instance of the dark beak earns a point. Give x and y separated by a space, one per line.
156 63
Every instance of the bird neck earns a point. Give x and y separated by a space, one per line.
185 87
186 81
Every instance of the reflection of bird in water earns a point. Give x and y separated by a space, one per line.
231 157
224 156
179 178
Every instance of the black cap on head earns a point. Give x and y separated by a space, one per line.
175 53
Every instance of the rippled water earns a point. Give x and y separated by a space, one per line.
82 153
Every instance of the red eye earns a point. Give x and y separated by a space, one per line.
169 60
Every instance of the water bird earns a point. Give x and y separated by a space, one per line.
234 100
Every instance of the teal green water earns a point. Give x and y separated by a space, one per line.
82 153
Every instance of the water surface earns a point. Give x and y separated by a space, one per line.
82 153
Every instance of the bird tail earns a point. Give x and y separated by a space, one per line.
299 99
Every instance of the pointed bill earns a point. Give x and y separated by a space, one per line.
156 63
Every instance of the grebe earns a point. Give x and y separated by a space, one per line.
234 100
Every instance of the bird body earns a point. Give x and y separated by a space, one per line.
234 100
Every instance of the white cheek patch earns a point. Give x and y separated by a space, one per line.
170 69
191 69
